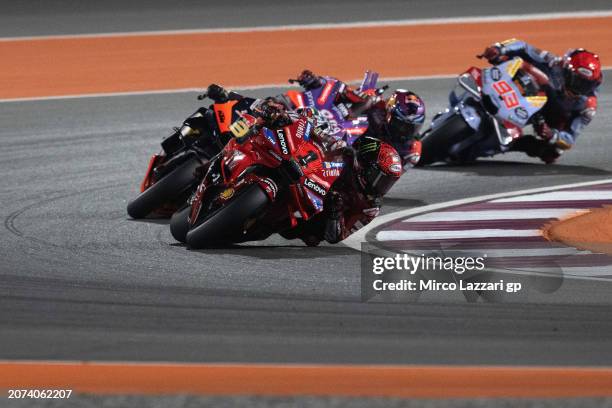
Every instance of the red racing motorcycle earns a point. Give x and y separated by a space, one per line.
170 177
265 184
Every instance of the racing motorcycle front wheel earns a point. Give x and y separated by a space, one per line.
228 223
168 189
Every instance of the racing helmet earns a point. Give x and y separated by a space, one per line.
379 166
405 113
582 71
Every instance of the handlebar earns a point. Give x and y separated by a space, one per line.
202 96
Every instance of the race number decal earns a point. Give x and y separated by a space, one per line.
507 94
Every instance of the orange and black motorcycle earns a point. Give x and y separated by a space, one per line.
171 176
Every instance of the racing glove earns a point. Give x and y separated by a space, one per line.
308 80
491 54
546 132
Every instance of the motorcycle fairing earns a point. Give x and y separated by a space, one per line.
324 100
512 106
238 160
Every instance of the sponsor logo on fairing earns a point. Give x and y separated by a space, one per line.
315 187
270 186
331 173
315 200
269 135
280 134
342 110
496 74
308 130
521 113
326 91
333 165
331 120
300 130
310 98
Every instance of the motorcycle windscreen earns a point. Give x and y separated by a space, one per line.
468 83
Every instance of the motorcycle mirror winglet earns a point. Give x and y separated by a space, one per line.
382 89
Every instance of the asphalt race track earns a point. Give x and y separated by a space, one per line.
81 281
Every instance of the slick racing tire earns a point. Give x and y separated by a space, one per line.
437 143
226 225
166 190
179 224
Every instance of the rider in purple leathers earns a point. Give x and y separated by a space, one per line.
359 101
396 120
572 90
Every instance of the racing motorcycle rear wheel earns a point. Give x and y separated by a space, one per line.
436 144
228 223
167 190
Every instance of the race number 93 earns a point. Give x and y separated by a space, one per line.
505 91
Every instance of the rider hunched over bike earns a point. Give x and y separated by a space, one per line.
396 120
371 168
574 80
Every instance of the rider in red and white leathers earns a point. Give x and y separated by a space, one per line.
574 80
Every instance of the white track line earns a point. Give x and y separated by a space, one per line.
391 235
560 196
502 253
326 26
234 87
355 240
187 90
493 215
577 272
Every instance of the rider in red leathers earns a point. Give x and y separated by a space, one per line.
371 169
574 80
